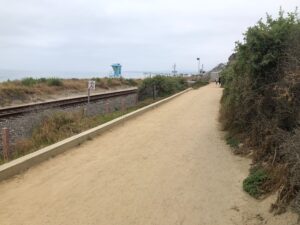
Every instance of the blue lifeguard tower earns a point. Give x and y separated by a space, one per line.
117 69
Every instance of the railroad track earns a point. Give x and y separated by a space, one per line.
34 107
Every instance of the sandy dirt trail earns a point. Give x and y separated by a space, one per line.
168 166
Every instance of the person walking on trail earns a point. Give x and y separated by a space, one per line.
219 81
216 80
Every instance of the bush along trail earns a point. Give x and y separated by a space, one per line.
260 107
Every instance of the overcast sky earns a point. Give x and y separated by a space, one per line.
143 35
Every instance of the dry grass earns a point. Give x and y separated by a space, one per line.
29 89
62 125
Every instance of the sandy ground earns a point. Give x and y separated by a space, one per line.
166 167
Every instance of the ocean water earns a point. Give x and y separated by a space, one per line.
19 74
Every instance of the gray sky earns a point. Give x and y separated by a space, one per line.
90 35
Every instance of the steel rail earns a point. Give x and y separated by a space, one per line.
35 107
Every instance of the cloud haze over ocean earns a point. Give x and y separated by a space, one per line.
90 35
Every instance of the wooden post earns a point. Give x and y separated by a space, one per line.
123 103
5 143
89 95
88 102
107 106
154 92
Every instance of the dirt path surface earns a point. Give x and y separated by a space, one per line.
168 166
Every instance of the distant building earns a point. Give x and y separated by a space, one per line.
117 69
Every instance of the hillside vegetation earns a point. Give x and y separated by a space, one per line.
261 106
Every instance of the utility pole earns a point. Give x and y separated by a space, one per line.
174 70
198 59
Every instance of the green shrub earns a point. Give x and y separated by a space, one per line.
261 85
42 80
261 99
29 81
252 184
162 85
232 142
97 79
54 82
